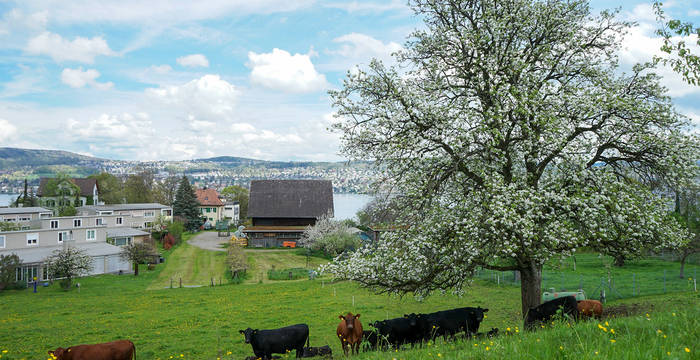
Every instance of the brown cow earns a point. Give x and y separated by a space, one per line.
590 308
350 333
115 350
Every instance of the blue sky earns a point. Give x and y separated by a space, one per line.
173 80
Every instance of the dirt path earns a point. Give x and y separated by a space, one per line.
209 240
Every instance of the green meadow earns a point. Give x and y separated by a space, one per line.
203 322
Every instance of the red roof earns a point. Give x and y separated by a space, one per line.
208 197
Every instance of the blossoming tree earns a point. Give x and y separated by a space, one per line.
514 138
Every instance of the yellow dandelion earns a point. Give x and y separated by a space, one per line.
612 331
664 336
674 314
487 348
507 329
439 355
516 330
606 324
596 353
668 353
476 344
658 331
687 350
612 341
561 347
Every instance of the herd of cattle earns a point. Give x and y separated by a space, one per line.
410 329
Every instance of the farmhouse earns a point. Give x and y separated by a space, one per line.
209 205
281 209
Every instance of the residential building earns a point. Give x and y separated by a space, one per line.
232 212
88 193
25 217
210 206
141 216
281 209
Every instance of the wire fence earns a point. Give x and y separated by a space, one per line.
607 287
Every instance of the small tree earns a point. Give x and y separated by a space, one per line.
237 261
240 194
136 253
176 229
9 226
329 236
8 268
186 206
68 263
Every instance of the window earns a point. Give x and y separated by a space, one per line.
77 222
166 212
99 222
214 209
208 209
27 273
90 235
25 218
32 239
44 272
2 241
54 224
10 219
122 241
149 214
148 224
62 236
120 220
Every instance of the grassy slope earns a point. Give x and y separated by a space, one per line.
260 261
194 265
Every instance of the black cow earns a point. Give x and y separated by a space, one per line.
279 341
396 331
324 351
546 311
450 322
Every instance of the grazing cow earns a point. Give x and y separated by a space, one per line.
115 350
396 331
324 351
350 333
279 341
546 311
450 322
370 337
590 308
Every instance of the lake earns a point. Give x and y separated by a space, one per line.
344 205
6 199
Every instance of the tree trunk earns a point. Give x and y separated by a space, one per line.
136 268
530 287
619 261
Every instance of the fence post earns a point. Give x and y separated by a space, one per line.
171 283
180 282
664 281
498 281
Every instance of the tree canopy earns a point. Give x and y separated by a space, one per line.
513 138
240 194
186 205
110 188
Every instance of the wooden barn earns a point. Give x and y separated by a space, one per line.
281 209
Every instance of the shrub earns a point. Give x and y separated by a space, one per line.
168 241
176 229
8 266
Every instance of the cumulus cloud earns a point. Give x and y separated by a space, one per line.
125 127
161 69
207 95
77 78
242 128
356 45
193 60
19 20
283 71
79 49
7 130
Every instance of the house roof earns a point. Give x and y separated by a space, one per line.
290 198
118 207
38 254
23 210
86 185
124 231
208 197
274 229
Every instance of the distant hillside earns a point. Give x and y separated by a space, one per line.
14 158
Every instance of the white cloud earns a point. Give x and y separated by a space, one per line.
206 96
79 49
77 78
161 69
7 130
282 71
361 46
193 60
17 20
124 128
242 128
374 7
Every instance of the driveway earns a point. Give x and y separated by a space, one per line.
209 240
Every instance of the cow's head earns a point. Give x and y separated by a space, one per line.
480 314
58 353
349 320
412 319
248 333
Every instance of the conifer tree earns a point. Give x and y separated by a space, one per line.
186 206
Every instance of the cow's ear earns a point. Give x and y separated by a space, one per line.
357 316
341 317
486 310
241 331
50 352
255 331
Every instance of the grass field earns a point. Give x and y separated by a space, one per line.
203 323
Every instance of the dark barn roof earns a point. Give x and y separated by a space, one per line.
86 185
290 198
